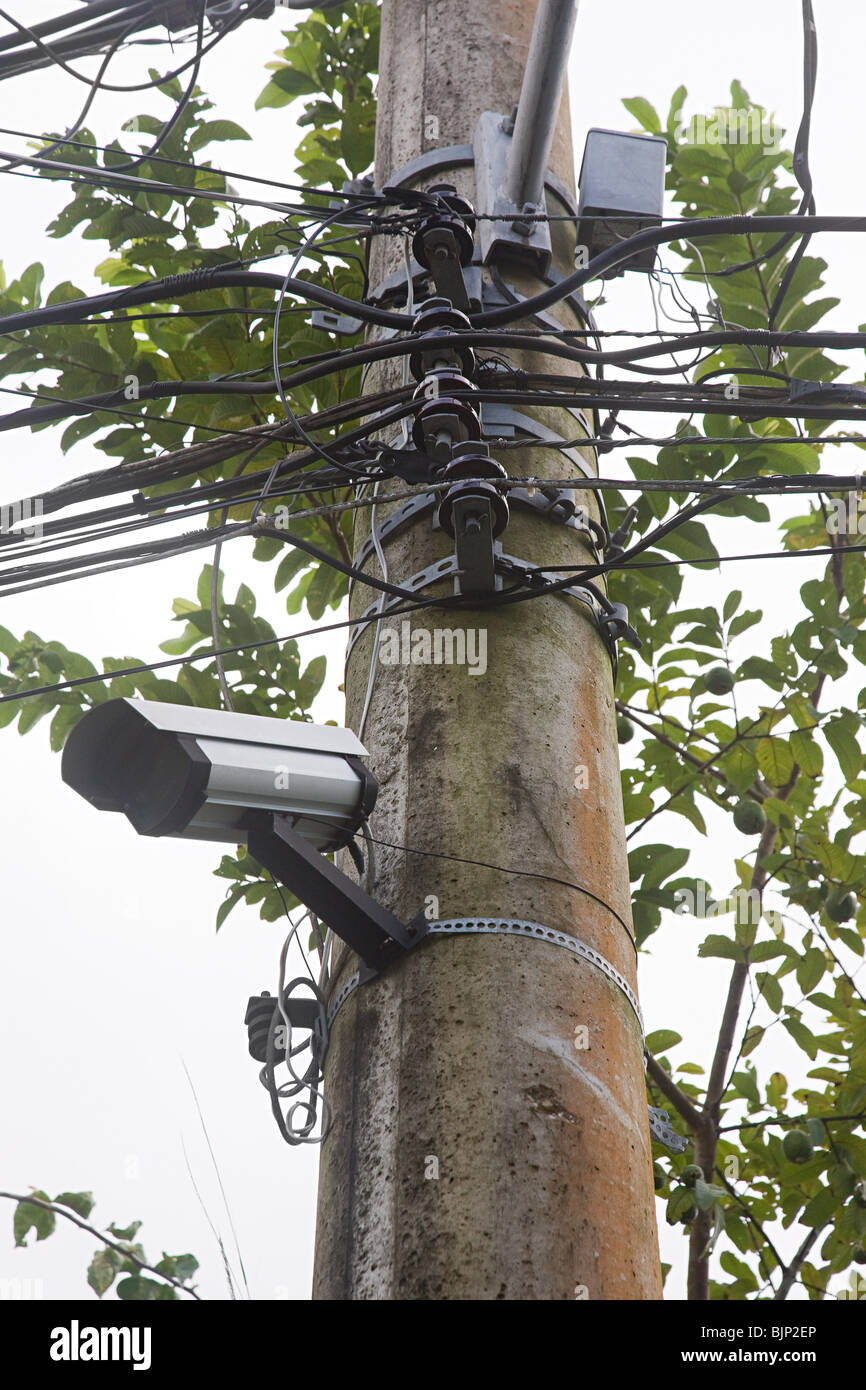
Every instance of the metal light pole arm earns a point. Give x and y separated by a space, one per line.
540 96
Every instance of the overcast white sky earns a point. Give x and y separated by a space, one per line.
112 975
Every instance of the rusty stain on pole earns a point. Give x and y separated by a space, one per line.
490 1136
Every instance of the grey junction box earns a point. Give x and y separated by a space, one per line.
622 183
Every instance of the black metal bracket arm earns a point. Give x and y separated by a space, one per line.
367 927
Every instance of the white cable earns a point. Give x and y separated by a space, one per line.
302 1135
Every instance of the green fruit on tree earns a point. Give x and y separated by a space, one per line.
624 729
719 680
797 1146
840 905
690 1175
859 1257
749 817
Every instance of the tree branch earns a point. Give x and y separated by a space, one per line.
793 1269
671 1091
106 1240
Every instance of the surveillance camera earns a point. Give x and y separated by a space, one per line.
203 774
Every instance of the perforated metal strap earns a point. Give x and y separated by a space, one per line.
506 926
555 506
443 569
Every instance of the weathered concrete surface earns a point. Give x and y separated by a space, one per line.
463 1061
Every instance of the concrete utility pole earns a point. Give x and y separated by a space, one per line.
490 1136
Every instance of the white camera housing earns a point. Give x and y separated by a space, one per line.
202 774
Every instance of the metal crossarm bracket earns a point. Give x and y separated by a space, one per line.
367 927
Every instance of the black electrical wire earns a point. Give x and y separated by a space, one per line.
802 172
652 237
579 574
82 42
655 396
125 414
395 347
144 513
145 668
187 164
95 9
289 276
193 282
49 55
516 873
121 557
169 125
91 97
147 512
801 145
94 176
194 458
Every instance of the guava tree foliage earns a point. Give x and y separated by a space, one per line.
761 730
773 1189
120 1253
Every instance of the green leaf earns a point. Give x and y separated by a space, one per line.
28 1218
721 946
807 753
126 1233
744 622
643 112
771 990
679 1202
357 136
820 1209
802 1037
181 1267
766 950
751 1040
775 760
233 897
136 1288
707 1194
80 1202
662 1039
311 682
102 1270
216 130
811 969
840 734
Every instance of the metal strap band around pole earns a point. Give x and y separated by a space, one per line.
507 926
